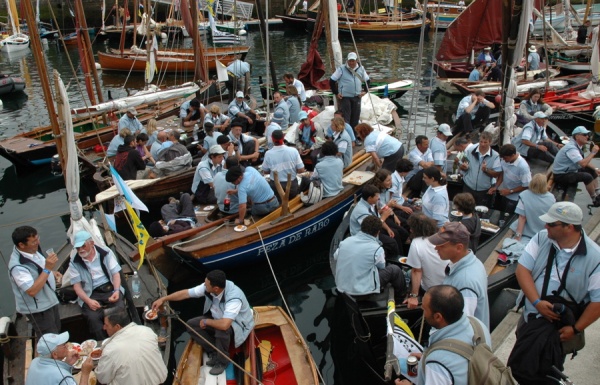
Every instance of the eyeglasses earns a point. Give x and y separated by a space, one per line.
554 224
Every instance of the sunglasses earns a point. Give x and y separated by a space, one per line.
554 224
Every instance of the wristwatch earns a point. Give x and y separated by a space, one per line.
518 235
511 191
411 295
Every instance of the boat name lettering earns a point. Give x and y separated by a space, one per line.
294 237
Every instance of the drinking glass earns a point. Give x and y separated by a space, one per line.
49 251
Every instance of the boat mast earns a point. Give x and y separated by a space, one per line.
124 30
200 72
36 47
265 31
13 16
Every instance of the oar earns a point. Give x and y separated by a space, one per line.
391 362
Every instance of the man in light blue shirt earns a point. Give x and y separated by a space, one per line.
477 73
533 59
290 80
465 272
54 364
533 142
513 179
473 112
202 185
437 146
251 186
274 124
130 121
348 83
281 105
285 160
192 112
236 72
479 167
161 138
421 158
222 187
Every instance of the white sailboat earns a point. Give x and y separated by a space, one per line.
17 41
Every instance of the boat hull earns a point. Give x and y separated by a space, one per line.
15 43
381 30
11 84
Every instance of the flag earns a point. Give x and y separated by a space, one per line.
221 71
126 192
140 232
110 219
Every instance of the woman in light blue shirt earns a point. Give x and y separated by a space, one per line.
383 181
435 200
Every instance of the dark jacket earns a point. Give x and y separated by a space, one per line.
128 161
170 153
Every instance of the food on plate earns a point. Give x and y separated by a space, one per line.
481 209
96 354
79 362
403 260
489 226
456 213
151 315
87 347
240 228
74 346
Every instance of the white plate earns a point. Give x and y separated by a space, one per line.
240 228
403 260
208 208
565 142
75 346
482 209
87 346
453 176
456 213
453 152
564 138
79 363
97 358
147 315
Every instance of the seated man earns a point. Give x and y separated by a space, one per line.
286 161
227 315
329 170
128 160
116 141
202 185
95 275
478 73
473 111
175 150
251 186
54 363
533 143
274 124
366 206
571 167
281 105
219 120
421 158
246 147
191 113
177 216
360 263
130 121
222 186
209 140
240 109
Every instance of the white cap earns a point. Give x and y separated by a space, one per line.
239 94
445 129
352 56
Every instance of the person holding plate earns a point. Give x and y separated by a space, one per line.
54 362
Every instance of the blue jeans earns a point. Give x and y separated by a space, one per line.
261 209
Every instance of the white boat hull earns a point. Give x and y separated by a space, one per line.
15 43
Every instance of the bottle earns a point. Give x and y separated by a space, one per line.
502 221
195 133
226 204
135 285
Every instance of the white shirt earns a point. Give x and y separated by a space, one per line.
423 255
232 308
23 277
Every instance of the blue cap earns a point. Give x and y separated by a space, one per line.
580 130
302 115
81 237
48 343
277 117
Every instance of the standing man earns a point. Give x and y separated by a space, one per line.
227 315
480 166
438 149
96 278
560 260
290 80
285 160
281 105
236 72
192 112
349 83
533 142
465 272
473 112
33 282
130 121
513 179
443 309
533 59
54 363
360 263
131 354
251 186
241 110
202 185
572 167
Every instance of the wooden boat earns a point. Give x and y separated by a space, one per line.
220 53
571 109
442 14
71 316
16 41
10 84
70 39
382 29
573 66
286 359
137 62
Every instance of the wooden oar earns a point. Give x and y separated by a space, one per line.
391 362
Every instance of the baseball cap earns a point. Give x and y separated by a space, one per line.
302 115
580 130
48 343
540 115
454 232
277 117
239 94
445 129
566 212
352 56
216 149
80 238
132 111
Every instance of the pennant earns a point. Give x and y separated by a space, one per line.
110 220
140 232
221 71
126 192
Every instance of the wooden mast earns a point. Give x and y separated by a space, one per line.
124 29
36 47
88 53
263 29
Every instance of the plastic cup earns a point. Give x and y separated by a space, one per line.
49 251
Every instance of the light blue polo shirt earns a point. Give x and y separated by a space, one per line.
438 152
382 146
360 212
532 132
347 128
532 206
463 104
283 159
235 108
415 156
221 187
567 159
515 175
474 178
344 143
436 204
329 170
254 186
396 190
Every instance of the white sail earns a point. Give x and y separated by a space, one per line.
335 40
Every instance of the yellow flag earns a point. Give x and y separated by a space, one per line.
140 232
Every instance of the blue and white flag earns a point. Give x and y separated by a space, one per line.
126 192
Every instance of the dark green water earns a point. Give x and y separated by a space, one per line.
38 199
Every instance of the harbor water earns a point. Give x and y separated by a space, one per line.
38 199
